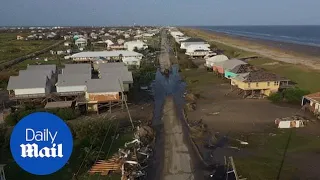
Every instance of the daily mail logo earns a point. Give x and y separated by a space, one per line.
32 150
41 143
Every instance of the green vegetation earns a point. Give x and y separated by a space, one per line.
86 133
65 114
293 95
11 48
265 152
198 79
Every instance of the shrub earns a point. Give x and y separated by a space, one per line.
275 97
294 95
11 119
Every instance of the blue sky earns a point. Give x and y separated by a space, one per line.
159 12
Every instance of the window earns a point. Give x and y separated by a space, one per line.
248 84
268 83
257 84
276 83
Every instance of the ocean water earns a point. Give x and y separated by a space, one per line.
306 35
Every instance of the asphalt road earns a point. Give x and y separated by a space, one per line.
174 157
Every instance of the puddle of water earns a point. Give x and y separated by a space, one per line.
167 86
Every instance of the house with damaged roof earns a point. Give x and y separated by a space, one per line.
239 69
222 66
259 82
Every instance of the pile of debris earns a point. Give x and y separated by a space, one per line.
295 121
190 101
131 160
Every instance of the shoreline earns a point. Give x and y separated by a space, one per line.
281 51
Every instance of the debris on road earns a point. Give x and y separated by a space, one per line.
214 113
191 106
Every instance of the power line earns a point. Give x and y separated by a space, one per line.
114 135
88 152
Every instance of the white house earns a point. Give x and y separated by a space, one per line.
72 83
131 45
91 55
20 37
67 44
192 41
126 36
28 85
108 42
212 60
81 42
132 61
148 34
199 50
120 41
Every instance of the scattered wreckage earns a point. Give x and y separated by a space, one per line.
295 121
131 160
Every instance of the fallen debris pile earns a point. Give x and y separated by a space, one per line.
295 121
132 160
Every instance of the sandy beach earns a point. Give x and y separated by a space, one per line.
286 52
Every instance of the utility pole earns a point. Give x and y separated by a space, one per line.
125 102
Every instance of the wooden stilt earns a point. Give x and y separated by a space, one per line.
110 107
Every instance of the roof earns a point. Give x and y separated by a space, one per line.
103 85
27 81
130 59
77 69
194 40
124 76
111 65
243 68
262 76
45 72
313 96
92 54
230 64
218 58
81 40
195 47
58 104
72 79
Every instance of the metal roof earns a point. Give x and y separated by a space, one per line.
94 54
27 81
72 79
103 85
77 69
124 76
230 64
58 104
112 65
45 72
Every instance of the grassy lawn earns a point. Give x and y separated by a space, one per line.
267 150
197 79
14 172
11 48
305 78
